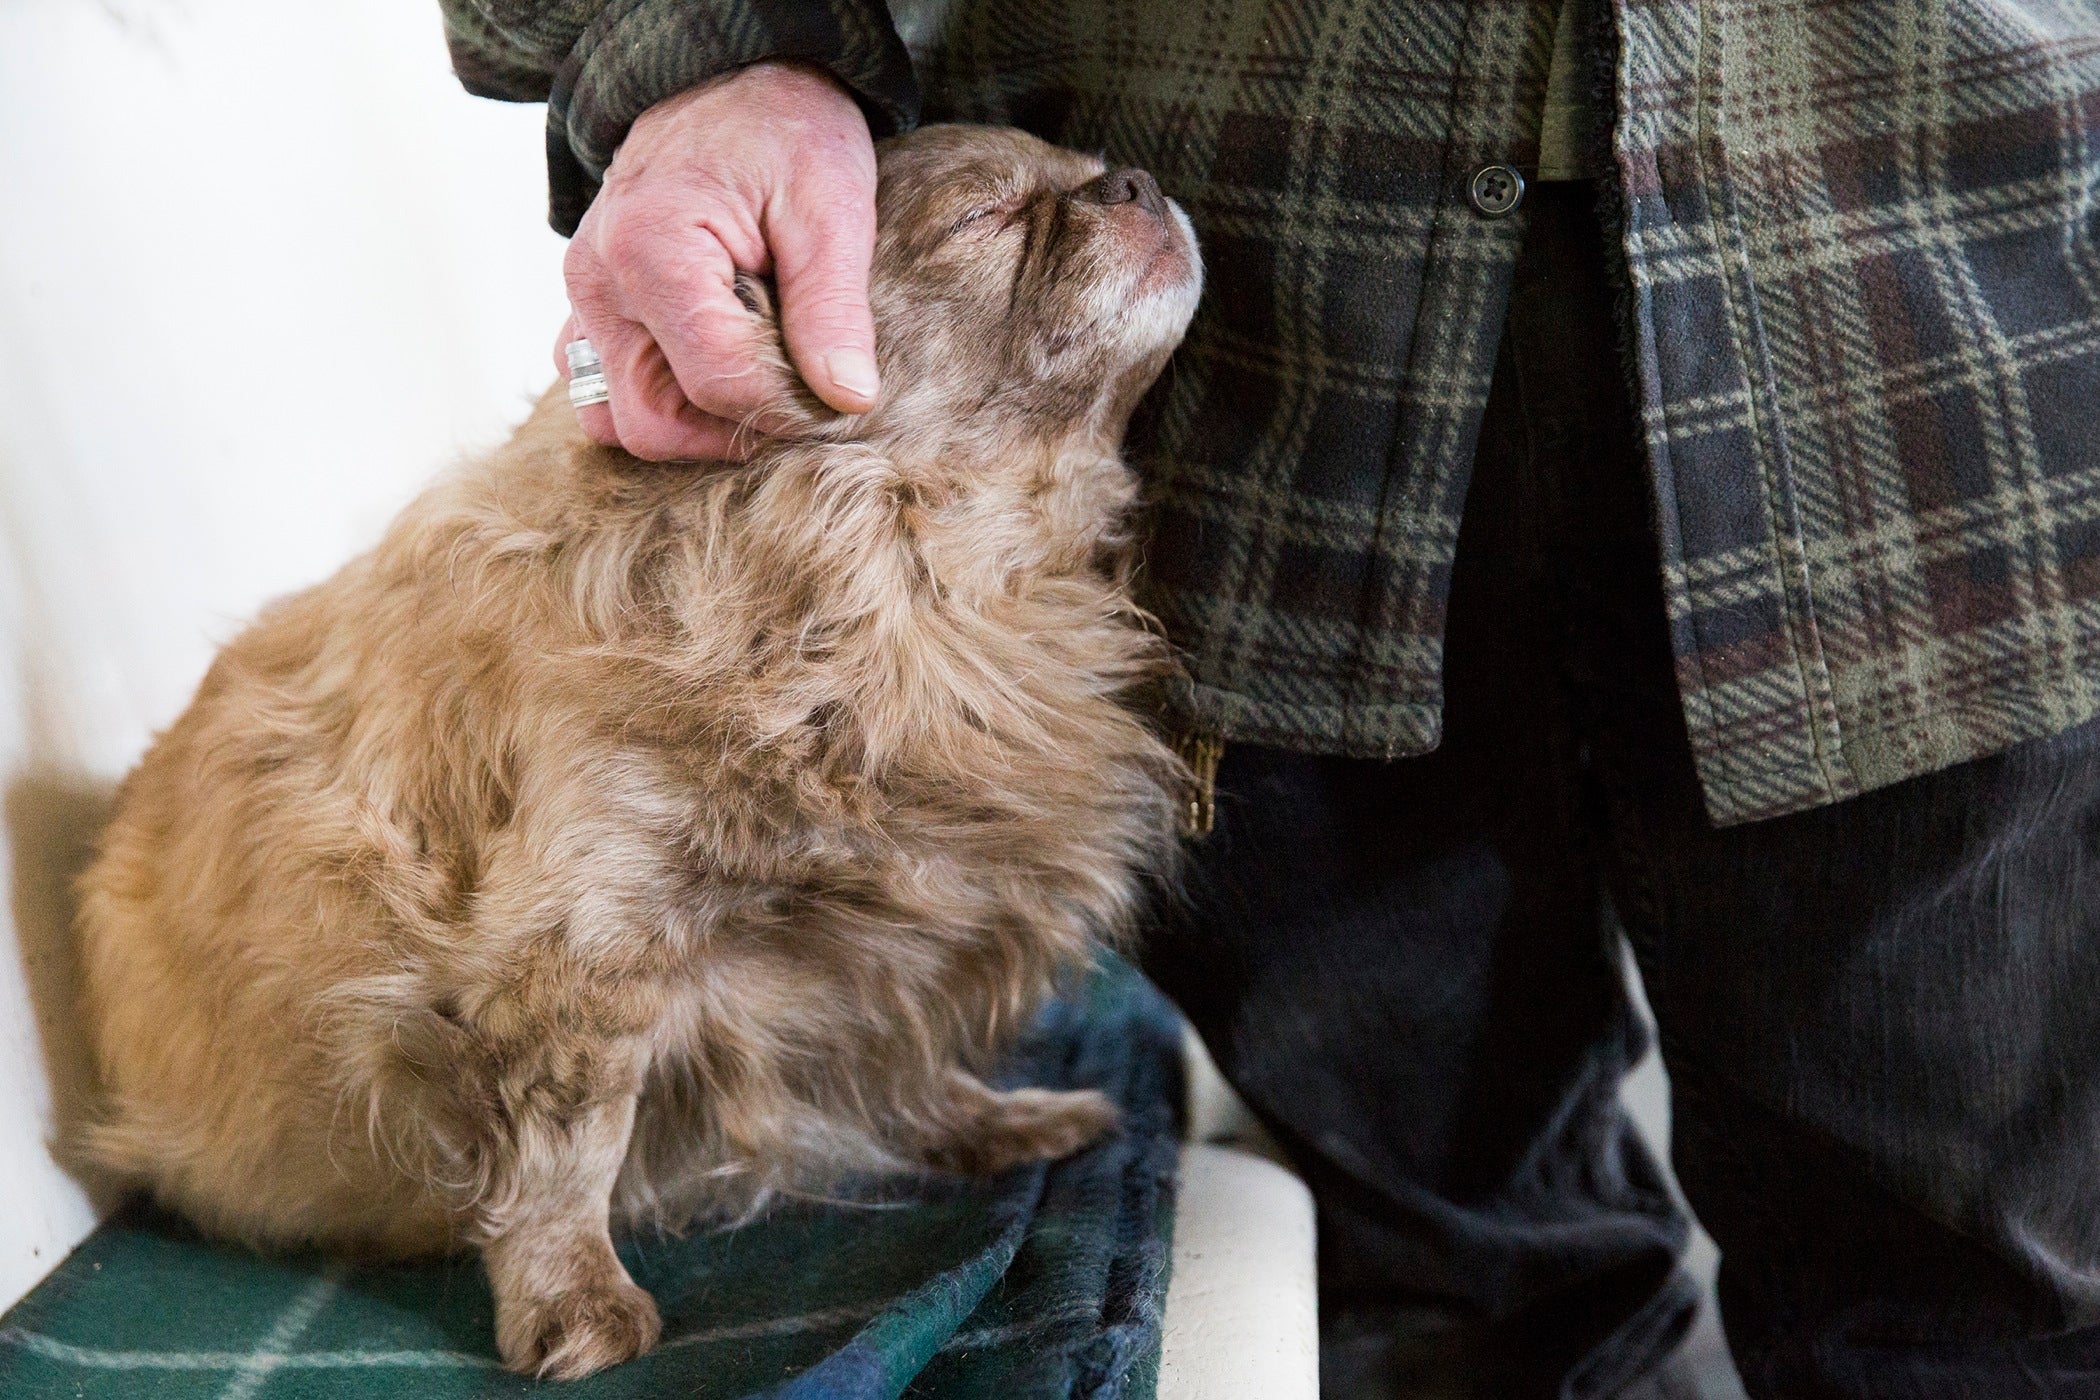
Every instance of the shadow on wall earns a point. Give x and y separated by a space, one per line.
53 819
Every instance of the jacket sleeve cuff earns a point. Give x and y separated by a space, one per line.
490 62
638 52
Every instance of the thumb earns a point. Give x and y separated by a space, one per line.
822 242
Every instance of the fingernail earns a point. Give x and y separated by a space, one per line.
853 371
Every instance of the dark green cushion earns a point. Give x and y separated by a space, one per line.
1049 1281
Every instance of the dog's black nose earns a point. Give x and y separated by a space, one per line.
1126 186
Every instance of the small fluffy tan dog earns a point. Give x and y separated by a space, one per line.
631 842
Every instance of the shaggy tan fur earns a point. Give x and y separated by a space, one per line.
631 842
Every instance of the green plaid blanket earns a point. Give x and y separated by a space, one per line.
1048 1281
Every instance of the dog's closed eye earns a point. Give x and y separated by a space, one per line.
1001 209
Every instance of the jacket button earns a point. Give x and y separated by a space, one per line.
1496 190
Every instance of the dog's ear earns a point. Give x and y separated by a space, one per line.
790 410
756 293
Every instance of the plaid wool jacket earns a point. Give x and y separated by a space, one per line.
1864 301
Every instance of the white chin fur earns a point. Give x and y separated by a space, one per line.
1158 317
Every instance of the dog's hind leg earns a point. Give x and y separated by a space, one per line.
982 1130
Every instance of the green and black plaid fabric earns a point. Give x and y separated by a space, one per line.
1865 306
1047 1283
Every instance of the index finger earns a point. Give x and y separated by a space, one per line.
720 354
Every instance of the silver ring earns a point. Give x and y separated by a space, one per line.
586 375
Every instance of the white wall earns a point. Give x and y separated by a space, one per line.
264 268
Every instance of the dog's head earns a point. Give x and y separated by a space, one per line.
1022 293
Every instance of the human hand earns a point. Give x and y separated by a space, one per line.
768 170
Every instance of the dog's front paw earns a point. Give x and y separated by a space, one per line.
571 1334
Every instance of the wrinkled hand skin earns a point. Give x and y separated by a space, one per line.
768 170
